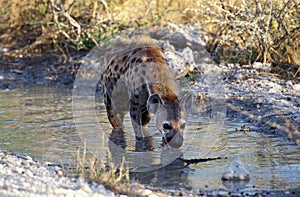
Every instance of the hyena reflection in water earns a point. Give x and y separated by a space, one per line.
135 77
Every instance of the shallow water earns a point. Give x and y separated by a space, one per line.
38 121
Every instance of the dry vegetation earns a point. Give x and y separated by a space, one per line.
94 170
114 179
236 30
246 31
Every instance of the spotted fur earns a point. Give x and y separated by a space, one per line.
135 77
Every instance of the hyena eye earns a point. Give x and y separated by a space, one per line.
167 126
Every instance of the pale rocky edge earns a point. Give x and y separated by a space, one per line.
22 176
249 88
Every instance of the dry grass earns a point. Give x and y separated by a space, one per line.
114 179
237 30
256 30
94 170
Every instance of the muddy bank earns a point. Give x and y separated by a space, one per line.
39 69
267 103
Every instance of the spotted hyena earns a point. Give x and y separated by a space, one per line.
135 77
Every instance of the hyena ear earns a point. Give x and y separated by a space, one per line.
186 102
154 103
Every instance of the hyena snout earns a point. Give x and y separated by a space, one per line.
170 117
173 135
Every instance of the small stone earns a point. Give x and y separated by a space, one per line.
230 65
60 173
286 192
19 170
18 162
296 87
238 76
222 64
246 66
84 185
153 195
48 163
57 168
289 83
3 50
73 179
223 193
29 158
147 192
29 173
257 65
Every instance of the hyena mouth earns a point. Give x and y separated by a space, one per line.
173 140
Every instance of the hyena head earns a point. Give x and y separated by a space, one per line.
170 117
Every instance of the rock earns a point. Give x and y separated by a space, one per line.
29 158
261 66
19 170
180 36
147 192
153 195
236 171
29 173
60 173
2 49
182 62
289 83
239 76
246 66
84 185
296 87
57 168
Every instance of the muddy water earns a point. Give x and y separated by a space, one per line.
38 121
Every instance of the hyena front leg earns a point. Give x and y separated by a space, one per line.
115 118
140 117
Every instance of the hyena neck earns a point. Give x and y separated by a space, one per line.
165 92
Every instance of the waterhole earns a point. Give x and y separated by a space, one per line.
38 121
